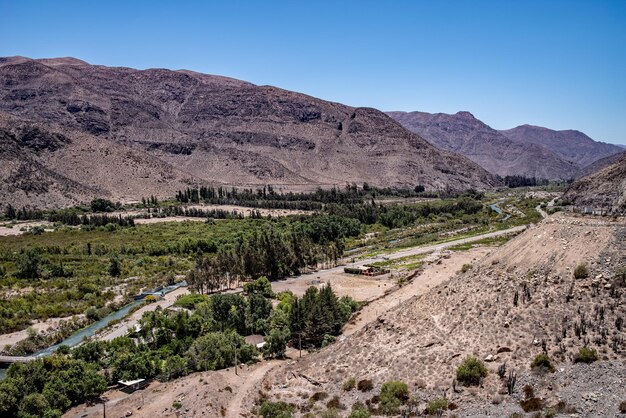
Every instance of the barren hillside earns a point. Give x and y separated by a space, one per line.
492 150
500 310
176 127
605 188
570 145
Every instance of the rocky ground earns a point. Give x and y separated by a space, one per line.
505 309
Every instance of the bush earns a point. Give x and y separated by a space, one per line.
586 355
437 405
466 268
392 396
359 411
542 361
365 385
581 271
349 384
275 410
471 371
622 408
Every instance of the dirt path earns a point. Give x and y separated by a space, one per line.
252 381
130 321
432 275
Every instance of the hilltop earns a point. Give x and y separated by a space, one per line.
130 133
498 154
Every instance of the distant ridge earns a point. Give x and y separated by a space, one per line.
130 133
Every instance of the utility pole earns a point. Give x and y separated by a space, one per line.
235 348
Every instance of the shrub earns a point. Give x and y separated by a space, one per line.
622 407
275 410
542 361
359 411
581 271
471 371
335 403
466 268
365 385
392 396
349 384
330 413
532 404
586 355
437 405
318 396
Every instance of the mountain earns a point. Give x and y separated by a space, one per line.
599 164
570 145
492 150
603 189
129 133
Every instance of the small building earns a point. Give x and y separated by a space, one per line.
256 340
129 386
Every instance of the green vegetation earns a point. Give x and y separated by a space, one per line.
465 268
349 384
392 396
48 386
542 361
169 344
581 271
275 410
471 371
437 405
359 411
586 355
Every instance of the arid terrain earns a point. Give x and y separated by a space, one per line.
500 310
530 151
73 131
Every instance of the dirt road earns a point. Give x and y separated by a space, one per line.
250 382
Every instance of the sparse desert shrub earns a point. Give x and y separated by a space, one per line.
359 411
318 396
586 355
529 391
177 405
349 384
330 413
465 268
393 395
275 410
542 361
335 403
437 405
471 371
581 271
622 407
365 385
531 405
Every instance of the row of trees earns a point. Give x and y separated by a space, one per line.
274 252
268 197
397 216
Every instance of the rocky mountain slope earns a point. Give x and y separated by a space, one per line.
518 302
570 145
495 152
602 189
131 132
600 164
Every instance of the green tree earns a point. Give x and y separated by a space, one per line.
28 264
115 266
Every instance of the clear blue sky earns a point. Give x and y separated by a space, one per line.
560 64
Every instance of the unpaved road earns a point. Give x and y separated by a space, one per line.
250 382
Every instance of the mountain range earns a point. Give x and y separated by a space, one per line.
71 131
531 151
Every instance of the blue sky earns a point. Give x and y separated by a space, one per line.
560 64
